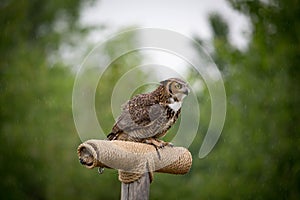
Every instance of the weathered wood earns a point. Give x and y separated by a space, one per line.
137 190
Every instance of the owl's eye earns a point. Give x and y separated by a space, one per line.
178 86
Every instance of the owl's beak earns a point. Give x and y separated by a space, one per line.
186 91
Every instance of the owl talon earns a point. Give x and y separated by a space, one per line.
170 144
158 144
166 144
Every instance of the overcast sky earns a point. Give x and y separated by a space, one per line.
189 18
186 17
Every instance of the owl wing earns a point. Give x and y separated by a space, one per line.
142 117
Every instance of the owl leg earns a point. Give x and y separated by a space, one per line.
157 143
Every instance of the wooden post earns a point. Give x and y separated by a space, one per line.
137 190
130 158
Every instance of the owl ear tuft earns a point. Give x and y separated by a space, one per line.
164 83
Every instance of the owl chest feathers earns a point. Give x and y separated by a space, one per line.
175 106
171 117
173 110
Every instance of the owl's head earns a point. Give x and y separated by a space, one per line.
176 88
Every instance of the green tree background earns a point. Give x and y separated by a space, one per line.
257 156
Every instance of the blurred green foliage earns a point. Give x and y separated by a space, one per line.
257 156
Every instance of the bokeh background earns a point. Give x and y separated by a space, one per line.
256 45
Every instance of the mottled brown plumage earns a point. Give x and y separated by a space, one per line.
147 117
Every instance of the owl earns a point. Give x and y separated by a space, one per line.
147 117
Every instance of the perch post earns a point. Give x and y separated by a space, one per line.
138 189
135 162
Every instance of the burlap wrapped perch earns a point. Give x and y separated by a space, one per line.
134 159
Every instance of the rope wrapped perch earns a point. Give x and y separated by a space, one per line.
133 159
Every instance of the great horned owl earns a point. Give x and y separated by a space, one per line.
147 117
